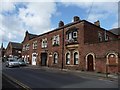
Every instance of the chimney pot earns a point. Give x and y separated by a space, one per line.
97 23
76 18
61 23
26 32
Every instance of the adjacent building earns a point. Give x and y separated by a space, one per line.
80 45
2 51
13 49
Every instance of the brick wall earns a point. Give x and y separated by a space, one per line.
87 42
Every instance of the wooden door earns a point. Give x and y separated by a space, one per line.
90 63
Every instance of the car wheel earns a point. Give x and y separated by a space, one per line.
9 66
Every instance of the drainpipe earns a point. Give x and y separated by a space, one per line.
63 50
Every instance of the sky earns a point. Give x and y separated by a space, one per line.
42 16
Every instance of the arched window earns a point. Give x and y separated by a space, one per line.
55 58
76 56
68 58
112 58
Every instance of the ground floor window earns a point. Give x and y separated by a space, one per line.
55 59
68 58
76 56
112 59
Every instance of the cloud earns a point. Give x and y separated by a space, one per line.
96 10
6 6
37 17
34 17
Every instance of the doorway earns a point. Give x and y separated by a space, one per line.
43 59
34 57
90 63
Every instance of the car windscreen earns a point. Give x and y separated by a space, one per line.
21 60
12 60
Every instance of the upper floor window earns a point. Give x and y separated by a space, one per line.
100 36
55 58
44 43
72 35
23 47
106 38
56 40
35 45
27 46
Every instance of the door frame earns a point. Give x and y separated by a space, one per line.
46 62
36 59
93 60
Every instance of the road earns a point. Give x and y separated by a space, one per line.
41 78
8 84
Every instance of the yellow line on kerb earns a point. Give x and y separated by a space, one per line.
17 82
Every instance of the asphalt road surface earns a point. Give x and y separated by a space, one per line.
8 84
40 78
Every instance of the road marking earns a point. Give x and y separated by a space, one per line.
17 82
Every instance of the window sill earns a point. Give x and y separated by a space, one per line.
56 45
71 65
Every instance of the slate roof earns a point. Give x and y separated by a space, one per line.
115 31
31 36
16 45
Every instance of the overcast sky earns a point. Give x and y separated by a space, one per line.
39 17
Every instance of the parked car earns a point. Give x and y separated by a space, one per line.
21 62
12 62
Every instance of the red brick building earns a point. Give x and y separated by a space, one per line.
13 49
79 45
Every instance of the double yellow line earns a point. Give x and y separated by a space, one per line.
25 87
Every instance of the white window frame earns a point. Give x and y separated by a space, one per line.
106 38
69 36
23 47
56 40
27 46
76 62
44 43
75 32
55 58
68 61
100 36
35 45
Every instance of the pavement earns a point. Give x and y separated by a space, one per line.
77 72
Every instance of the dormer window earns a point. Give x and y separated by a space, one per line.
44 43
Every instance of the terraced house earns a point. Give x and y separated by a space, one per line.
79 45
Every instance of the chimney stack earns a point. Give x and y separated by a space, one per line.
97 23
26 32
61 23
76 18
